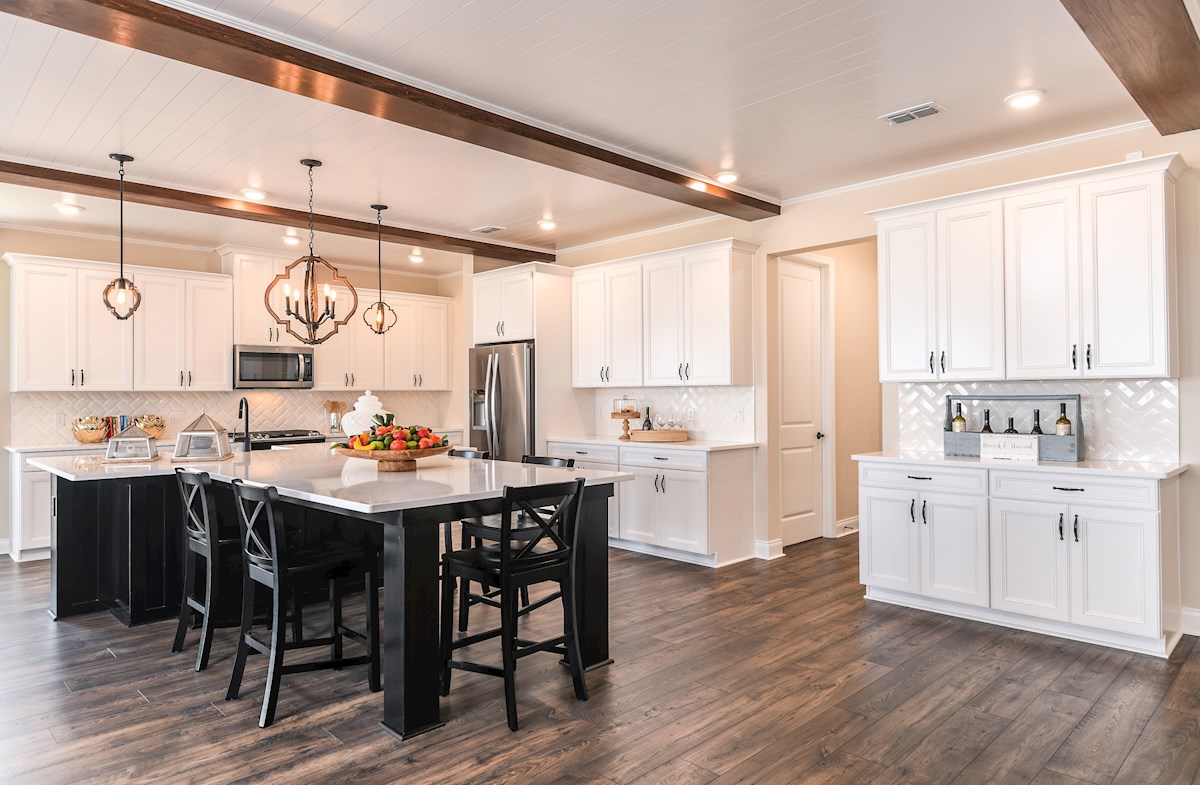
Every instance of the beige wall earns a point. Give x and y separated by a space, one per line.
857 426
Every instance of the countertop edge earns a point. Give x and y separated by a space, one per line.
699 445
1143 469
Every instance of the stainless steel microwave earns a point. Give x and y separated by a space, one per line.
272 367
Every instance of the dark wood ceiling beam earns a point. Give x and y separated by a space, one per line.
108 188
145 25
1152 47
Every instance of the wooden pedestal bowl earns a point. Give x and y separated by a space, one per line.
394 460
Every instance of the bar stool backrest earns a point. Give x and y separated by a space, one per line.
260 520
481 455
545 460
555 509
199 512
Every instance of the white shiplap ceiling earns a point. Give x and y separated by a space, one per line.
786 92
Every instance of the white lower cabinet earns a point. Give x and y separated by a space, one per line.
36 512
1026 554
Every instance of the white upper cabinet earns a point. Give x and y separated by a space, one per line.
1127 286
907 297
183 332
970 286
417 349
607 327
353 358
1067 277
708 317
1041 242
252 274
208 333
104 350
663 322
504 305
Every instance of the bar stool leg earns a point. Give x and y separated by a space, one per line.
335 621
447 626
275 668
243 649
574 655
185 610
508 646
211 580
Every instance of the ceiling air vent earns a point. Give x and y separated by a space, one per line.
912 113
487 229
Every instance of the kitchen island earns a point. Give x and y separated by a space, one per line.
116 543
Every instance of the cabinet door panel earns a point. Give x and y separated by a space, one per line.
331 362
614 501
1114 570
432 347
1029 558
889 540
516 323
208 329
1125 302
954 547
589 326
641 507
970 251
1041 263
623 302
251 276
706 319
686 516
366 356
489 310
104 350
36 512
662 293
158 333
400 346
907 292
44 348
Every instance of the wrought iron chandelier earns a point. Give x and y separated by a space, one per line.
120 296
379 316
310 307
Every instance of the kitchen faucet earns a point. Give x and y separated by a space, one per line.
244 413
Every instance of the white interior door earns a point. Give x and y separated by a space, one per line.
105 345
158 333
208 332
801 470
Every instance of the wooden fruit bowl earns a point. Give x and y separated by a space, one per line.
394 460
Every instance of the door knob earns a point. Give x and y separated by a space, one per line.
820 435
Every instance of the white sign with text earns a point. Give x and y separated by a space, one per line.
1008 447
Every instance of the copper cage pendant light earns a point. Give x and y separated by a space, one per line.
379 316
310 306
120 296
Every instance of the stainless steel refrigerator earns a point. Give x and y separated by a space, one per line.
501 385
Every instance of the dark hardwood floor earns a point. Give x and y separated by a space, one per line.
764 672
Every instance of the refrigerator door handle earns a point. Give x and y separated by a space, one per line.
488 401
494 395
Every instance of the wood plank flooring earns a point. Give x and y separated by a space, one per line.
764 672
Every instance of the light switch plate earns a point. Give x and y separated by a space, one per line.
60 419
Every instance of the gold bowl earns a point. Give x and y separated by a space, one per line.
151 424
88 430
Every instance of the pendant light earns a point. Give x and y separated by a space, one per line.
311 307
121 296
379 316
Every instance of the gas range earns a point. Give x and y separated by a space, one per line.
265 440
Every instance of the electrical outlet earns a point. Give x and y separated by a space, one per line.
739 415
176 416
60 419
1087 419
691 414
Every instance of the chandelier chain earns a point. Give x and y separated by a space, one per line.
310 211
121 172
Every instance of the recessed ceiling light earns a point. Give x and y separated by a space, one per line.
727 177
547 224
253 194
697 185
415 257
1025 98
68 208
290 238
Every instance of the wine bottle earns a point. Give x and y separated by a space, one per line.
1037 422
958 424
646 424
1010 428
1062 425
987 421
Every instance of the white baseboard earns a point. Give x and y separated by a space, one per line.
845 526
1190 618
768 549
5 547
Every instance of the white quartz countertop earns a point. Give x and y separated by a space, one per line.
311 472
1147 470
691 444
67 447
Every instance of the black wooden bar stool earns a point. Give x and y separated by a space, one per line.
480 532
205 541
269 562
547 557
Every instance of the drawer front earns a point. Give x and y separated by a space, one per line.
920 477
1072 489
584 451
659 458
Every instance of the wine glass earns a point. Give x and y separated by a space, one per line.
660 419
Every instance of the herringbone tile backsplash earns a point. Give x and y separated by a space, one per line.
33 413
713 406
1130 419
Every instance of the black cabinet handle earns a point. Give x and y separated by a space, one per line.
664 483
351 380
345 380
420 380
581 452
1060 525
497 328
912 510
1076 528
657 458
80 377
414 380
1074 357
680 372
1060 488
189 378
72 377
502 328
943 362
656 483
923 518
181 378
1089 356
931 362
687 370
914 477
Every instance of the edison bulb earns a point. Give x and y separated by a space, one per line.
121 296
331 292
378 316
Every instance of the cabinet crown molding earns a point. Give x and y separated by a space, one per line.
1172 164
16 259
728 243
524 267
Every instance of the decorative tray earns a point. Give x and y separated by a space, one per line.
142 459
394 460
202 459
659 436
